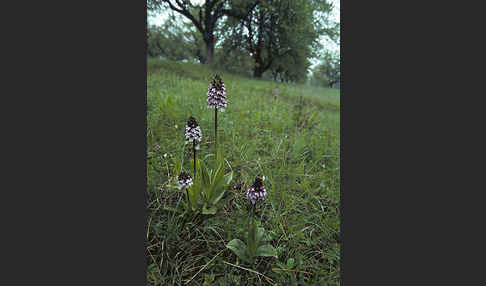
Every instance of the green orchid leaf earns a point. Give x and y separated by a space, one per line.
177 166
194 191
204 173
217 176
260 235
228 178
252 238
221 203
239 248
217 185
217 195
219 158
266 250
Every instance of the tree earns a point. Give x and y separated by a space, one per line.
231 55
174 41
205 17
281 35
292 67
329 71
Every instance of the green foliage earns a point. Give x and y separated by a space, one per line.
254 247
248 37
208 189
258 135
328 72
279 35
205 17
175 40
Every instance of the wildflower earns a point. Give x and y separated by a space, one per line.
193 131
194 135
217 94
156 148
257 191
184 180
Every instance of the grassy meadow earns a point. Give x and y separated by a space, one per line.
293 141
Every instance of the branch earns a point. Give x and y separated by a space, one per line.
236 13
250 35
285 53
217 13
181 9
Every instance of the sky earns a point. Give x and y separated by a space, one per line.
335 16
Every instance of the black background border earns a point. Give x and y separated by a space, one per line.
77 81
78 140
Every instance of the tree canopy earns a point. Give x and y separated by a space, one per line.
328 72
205 17
246 36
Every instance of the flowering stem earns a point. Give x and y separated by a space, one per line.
252 212
188 200
194 153
249 218
215 130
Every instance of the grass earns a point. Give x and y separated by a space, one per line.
293 141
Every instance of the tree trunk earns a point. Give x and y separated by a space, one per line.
210 52
258 68
257 72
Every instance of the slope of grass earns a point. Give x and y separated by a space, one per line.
293 141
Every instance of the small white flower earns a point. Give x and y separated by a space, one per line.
217 94
193 130
184 180
256 191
